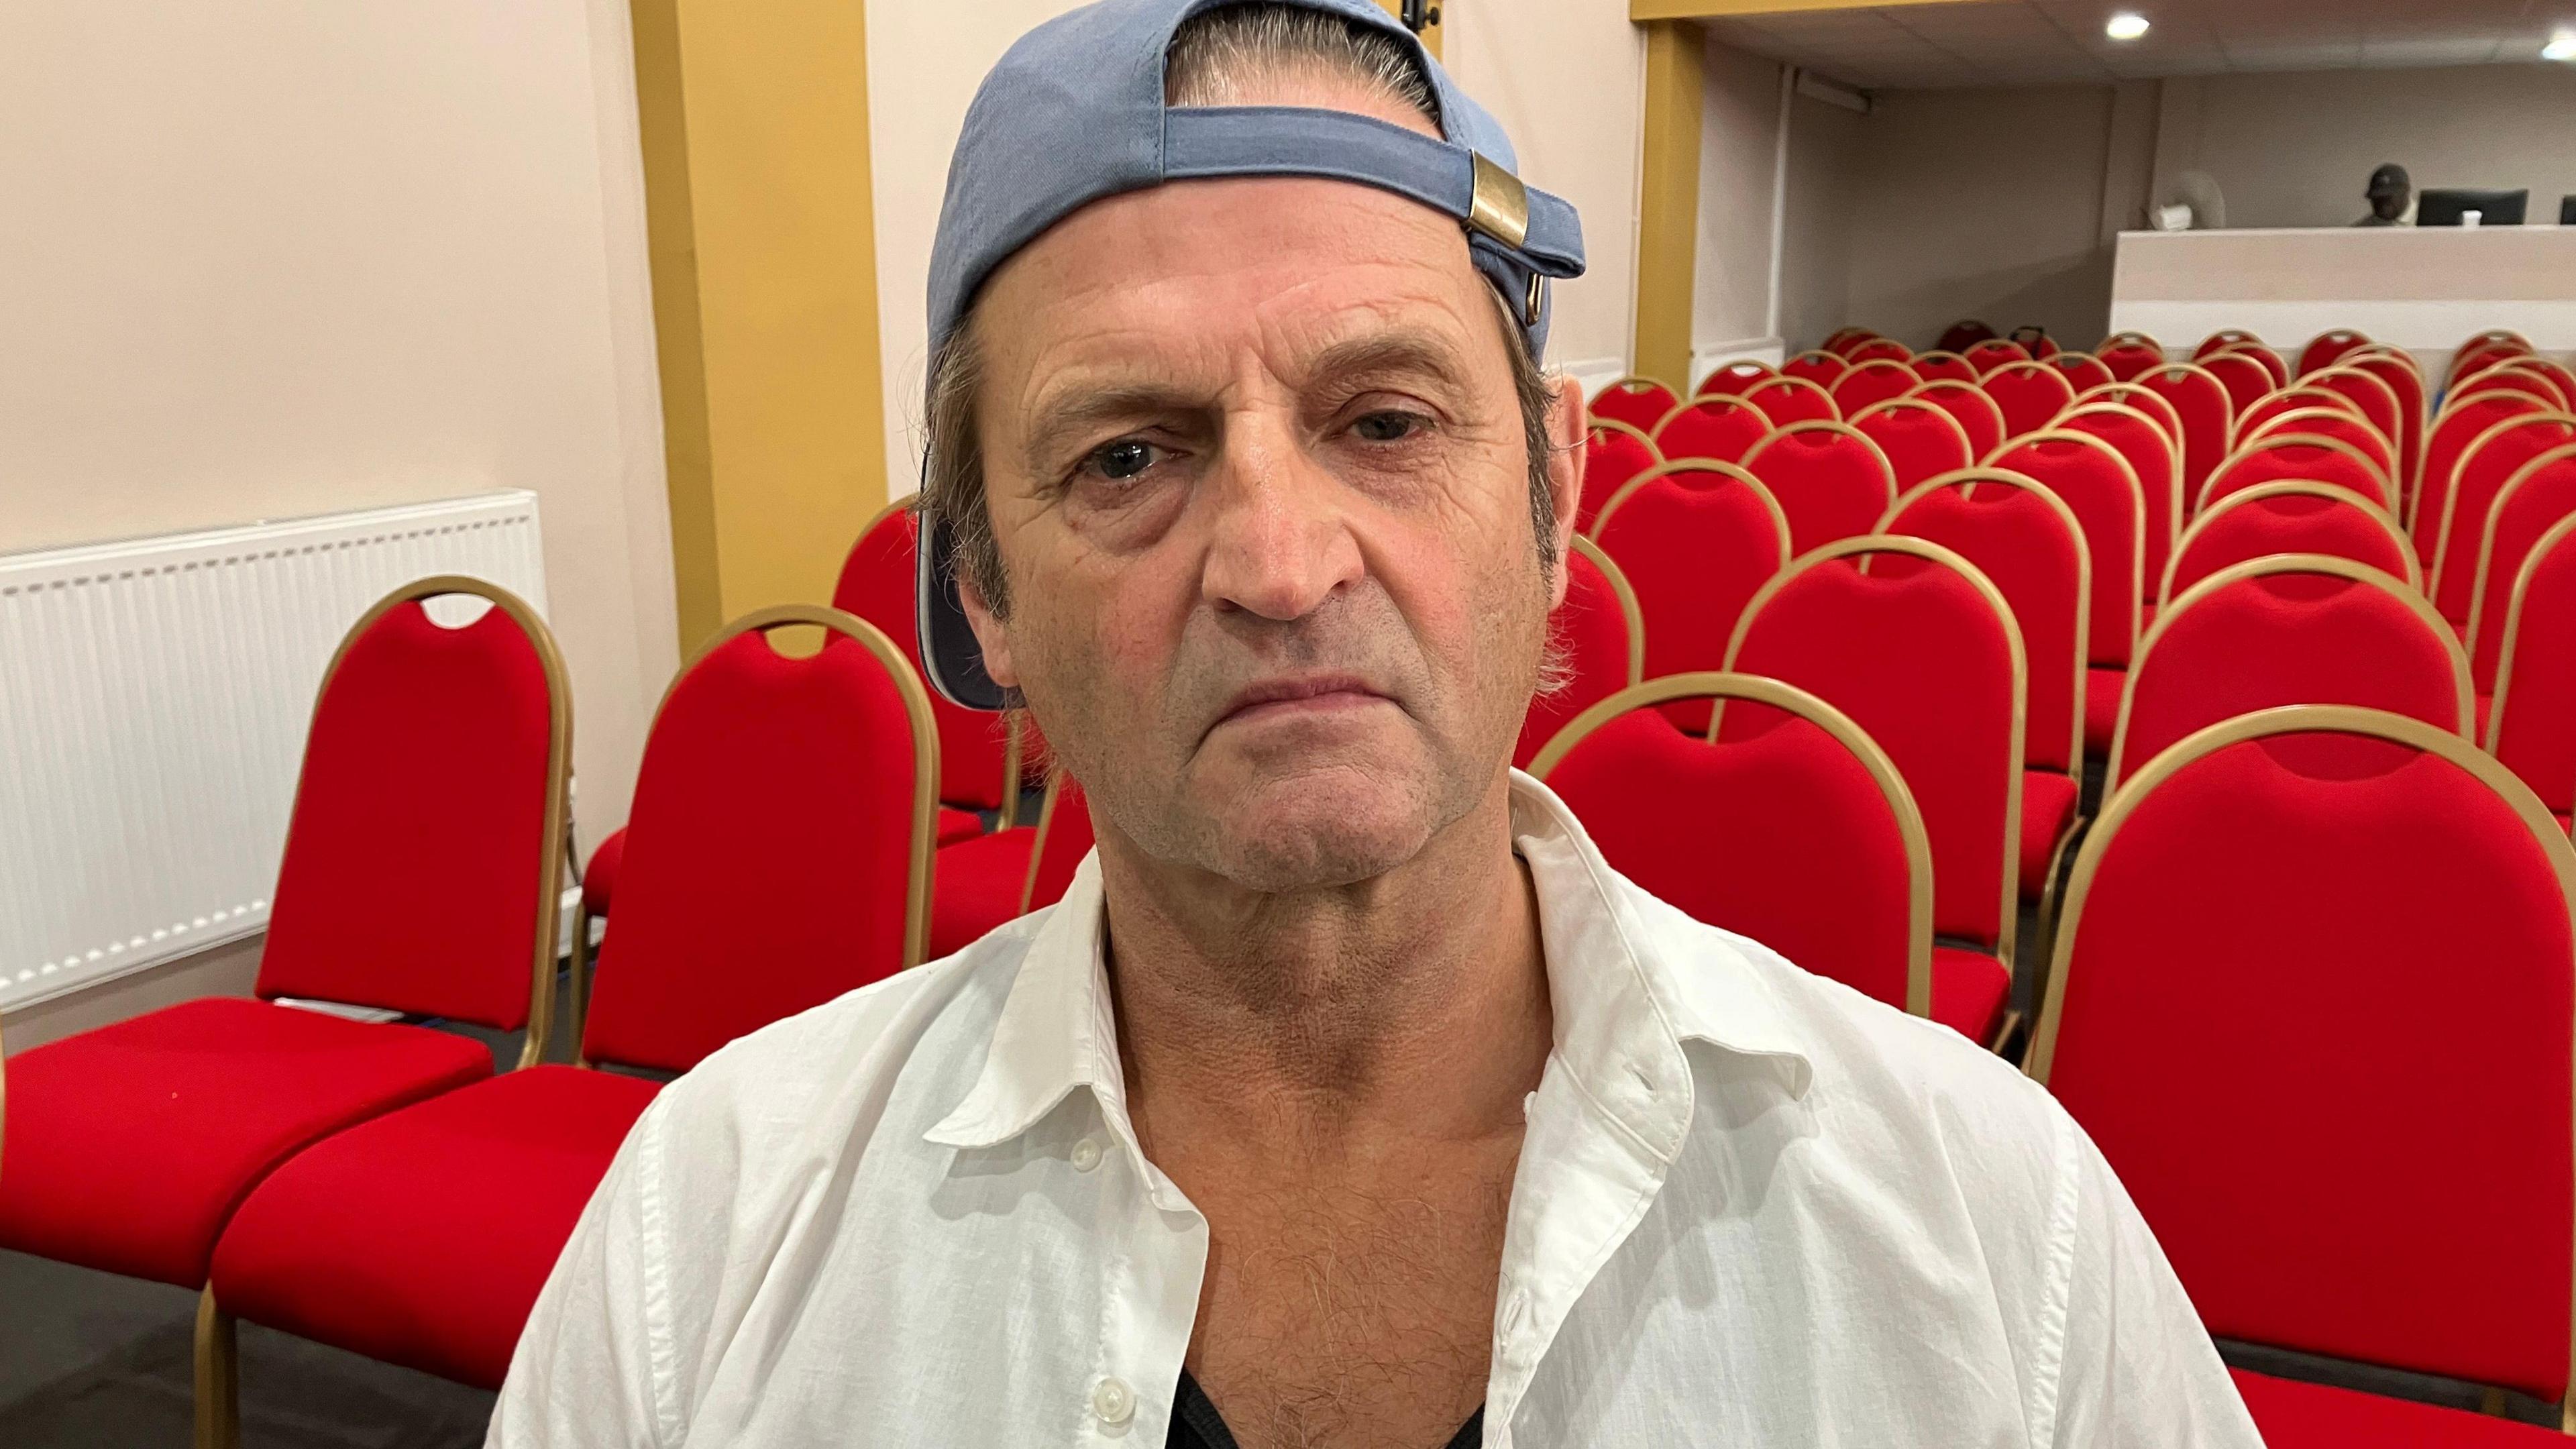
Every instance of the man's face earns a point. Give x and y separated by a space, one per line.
1260 484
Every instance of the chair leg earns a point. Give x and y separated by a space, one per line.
577 987
218 1377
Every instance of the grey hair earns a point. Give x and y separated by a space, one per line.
1217 58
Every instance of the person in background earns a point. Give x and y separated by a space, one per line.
2392 197
1348 1098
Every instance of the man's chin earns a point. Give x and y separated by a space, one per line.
1320 829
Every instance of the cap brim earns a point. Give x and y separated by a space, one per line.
949 652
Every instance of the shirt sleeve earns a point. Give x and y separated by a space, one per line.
2137 1368
593 1365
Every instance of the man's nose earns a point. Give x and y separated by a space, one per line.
1281 540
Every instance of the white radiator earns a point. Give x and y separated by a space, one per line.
154 695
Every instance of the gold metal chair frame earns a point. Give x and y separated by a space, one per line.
2269 565
2137 516
2180 373
2486 542
2124 339
1628 611
2286 422
2280 371
1790 699
2302 397
2325 377
1729 471
2451 404
2460 465
2263 724
2173 461
2008 920
2274 442
1842 364
2550 370
1907 402
2288 487
1784 380
1886 469
2333 334
2555 538
2225 337
2158 409
1698 400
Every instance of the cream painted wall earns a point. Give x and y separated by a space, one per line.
267 258
1738 159
1815 274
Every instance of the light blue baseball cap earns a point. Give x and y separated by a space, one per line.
1074 112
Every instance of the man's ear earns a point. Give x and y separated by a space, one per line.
991 634
1569 423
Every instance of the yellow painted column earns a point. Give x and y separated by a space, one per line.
761 227
1668 201
1430 32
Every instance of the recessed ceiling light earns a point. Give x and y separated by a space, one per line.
2561 46
2127 25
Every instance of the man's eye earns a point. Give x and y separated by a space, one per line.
1122 460
1387 427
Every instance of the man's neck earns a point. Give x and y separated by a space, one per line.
1412 1005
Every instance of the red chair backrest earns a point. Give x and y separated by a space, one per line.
2397 370
2485 351
2327 348
425 846
1601 640
2264 357
781 838
1799 834
2376 400
1847 340
1870 382
878 584
2245 379
2303 398
1921 651
2289 517
2042 346
2310 456
1719 428
1732 378
1064 838
2518 376
2153 456
1830 481
2028 542
1992 353
2208 418
1819 367
2532 727
1942 366
1694 541
2097 484
2538 495
1640 402
2549 373
2489 461
1786 400
1920 438
1968 405
2342 423
2130 395
2288 629
1963 334
1879 349
2221 340
2030 393
1613 453
2082 369
2446 441
2240 1016
2128 355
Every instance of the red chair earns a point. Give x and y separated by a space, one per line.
2157 462
424 854
2309 456
2126 354
1878 349
2246 379
2515 376
1992 353
979 754
782 825
1961 335
1603 637
2550 373
2240 1017
1819 367
2291 400
1919 438
2042 346
2207 414
1722 429
2221 340
1844 339
2486 465
1967 405
2397 369
1920 649
1869 383
2298 628
2030 393
1640 402
2378 404
2532 726
1613 453
1799 835
2082 369
2028 542
1786 400
1942 367
1831 481
2328 348
1693 540
1732 378
2293 516
2487 349
2446 441
2130 395
2269 360
2539 494
2097 484
2342 424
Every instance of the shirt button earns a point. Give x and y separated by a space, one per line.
1113 1401
1086 1156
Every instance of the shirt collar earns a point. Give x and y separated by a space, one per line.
1630 981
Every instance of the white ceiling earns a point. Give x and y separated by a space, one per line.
2057 42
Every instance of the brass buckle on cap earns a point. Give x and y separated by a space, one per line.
1530 304
1499 206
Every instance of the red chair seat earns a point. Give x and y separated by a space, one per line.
421 1238
976 885
2294 1415
1968 991
129 1146
2102 686
956 825
2047 808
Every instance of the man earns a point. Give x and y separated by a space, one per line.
2392 195
1347 1098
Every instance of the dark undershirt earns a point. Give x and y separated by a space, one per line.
1195 1424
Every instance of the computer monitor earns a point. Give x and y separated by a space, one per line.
2441 206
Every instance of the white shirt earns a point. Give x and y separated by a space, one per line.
1753 1208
